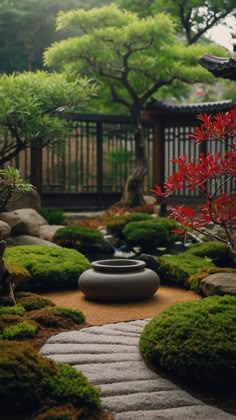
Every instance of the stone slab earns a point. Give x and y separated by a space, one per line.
76 337
130 387
68 348
80 359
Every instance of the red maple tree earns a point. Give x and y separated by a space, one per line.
209 174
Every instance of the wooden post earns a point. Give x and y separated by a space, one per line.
99 162
37 167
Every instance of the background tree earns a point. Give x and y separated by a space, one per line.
194 17
133 58
27 27
28 102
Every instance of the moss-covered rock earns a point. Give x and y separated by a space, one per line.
31 301
194 341
12 310
7 320
83 239
178 268
35 381
56 316
150 234
51 268
115 225
194 280
218 252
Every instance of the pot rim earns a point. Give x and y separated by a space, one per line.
118 265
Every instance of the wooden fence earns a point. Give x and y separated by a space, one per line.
89 170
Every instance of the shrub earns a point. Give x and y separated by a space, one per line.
195 279
194 341
151 234
74 314
6 320
178 268
218 252
83 239
19 330
36 381
50 268
53 216
66 412
115 225
31 301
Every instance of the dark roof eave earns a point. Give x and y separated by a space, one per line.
220 66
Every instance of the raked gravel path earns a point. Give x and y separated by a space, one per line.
108 355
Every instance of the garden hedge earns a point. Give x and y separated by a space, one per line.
194 341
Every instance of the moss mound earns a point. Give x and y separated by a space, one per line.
36 381
115 225
7 320
151 234
216 251
51 268
178 268
83 239
23 329
194 341
31 301
57 317
12 310
194 280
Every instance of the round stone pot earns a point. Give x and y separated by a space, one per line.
118 280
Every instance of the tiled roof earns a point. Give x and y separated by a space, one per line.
197 108
219 66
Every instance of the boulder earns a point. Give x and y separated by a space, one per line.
5 230
24 221
48 231
219 284
29 199
27 240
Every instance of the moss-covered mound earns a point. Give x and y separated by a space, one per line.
57 317
218 252
151 234
35 381
83 239
194 341
31 301
194 280
22 329
51 268
115 225
178 268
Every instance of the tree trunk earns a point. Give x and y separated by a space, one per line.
6 283
133 190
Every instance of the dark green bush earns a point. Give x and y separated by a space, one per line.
31 301
195 341
116 224
20 330
53 216
51 268
83 239
178 268
218 252
195 279
36 381
73 314
151 234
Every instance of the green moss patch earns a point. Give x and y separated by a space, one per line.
51 268
194 341
12 310
57 317
19 330
36 381
178 268
31 301
218 252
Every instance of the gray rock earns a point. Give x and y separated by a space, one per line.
75 337
59 348
5 230
219 284
29 199
48 231
24 221
28 240
80 359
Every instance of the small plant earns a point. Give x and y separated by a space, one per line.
12 186
194 341
12 310
19 330
53 216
